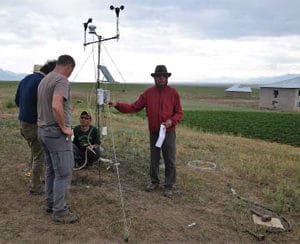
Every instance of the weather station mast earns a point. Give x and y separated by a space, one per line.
102 95
102 99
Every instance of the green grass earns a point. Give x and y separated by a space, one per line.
263 172
285 198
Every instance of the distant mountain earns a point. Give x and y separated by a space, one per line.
6 75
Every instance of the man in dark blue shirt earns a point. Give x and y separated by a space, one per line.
26 100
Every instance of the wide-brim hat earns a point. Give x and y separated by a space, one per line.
160 70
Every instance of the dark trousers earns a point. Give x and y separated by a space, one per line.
168 150
79 155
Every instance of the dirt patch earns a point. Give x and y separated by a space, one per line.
208 215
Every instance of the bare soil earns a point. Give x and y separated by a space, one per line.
211 215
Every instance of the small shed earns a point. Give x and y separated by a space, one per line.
238 91
282 95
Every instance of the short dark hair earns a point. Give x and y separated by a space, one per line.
48 67
66 60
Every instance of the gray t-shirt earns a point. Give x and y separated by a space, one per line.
53 84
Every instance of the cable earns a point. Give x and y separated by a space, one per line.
288 224
92 52
116 164
122 77
85 162
85 154
202 165
95 72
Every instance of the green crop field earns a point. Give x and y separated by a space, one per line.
281 127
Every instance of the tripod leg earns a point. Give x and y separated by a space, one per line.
99 172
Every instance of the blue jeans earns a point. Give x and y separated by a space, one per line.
59 160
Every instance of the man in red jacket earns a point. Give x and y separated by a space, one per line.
163 108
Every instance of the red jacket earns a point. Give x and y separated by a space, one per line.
161 103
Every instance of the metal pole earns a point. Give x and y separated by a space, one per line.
98 85
98 105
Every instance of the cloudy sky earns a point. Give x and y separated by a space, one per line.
196 39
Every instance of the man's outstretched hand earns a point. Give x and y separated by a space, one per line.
112 104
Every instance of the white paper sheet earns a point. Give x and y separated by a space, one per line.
161 136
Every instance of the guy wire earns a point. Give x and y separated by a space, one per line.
121 75
93 87
116 164
75 76
89 96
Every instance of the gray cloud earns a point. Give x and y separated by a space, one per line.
206 31
220 18
225 19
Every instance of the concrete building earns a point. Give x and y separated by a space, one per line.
238 91
282 95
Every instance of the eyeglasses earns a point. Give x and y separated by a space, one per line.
85 118
161 75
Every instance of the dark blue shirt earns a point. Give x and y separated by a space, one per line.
26 97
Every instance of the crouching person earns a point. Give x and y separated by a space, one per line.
86 143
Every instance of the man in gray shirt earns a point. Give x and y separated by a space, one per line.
54 131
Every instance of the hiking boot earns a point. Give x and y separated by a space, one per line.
152 187
49 210
37 192
168 193
67 218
